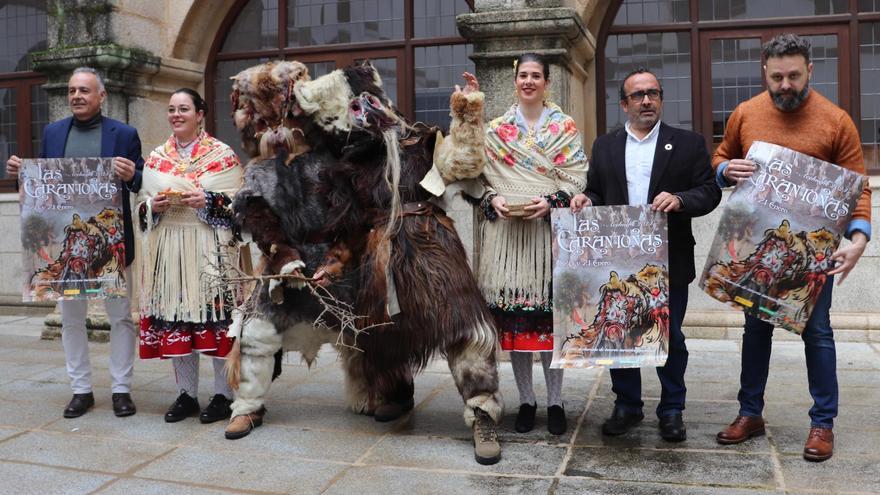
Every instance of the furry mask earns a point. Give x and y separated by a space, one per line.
263 105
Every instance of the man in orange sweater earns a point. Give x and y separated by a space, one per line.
793 115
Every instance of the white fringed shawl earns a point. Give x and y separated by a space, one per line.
515 254
179 252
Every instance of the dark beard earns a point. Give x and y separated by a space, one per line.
789 104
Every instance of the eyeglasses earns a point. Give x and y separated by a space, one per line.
638 96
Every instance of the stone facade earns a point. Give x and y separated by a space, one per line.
147 49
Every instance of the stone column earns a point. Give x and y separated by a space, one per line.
501 30
80 34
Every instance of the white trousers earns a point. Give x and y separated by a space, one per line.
76 344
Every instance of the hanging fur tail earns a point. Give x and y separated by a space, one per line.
233 365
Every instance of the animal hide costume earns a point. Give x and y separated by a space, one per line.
413 271
359 180
282 209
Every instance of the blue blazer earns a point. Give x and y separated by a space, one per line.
117 139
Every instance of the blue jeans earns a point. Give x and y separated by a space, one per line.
627 382
821 363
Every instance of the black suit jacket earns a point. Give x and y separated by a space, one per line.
681 166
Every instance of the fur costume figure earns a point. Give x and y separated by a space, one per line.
280 207
413 271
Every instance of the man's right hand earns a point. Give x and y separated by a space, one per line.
12 166
737 170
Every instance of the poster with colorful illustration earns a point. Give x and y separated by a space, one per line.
777 233
610 287
72 234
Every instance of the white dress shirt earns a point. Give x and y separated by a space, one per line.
639 162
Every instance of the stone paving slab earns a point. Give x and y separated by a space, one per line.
141 427
454 454
398 481
790 440
674 466
232 470
28 479
840 473
584 486
137 486
79 452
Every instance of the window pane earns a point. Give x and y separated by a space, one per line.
823 54
718 10
224 128
387 68
433 19
736 77
869 61
653 12
22 30
666 54
8 143
437 70
322 22
318 69
255 28
39 116
869 5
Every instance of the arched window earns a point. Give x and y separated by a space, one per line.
414 43
707 54
24 108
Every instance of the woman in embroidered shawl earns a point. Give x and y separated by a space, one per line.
536 162
186 222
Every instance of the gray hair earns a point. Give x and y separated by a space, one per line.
787 44
89 70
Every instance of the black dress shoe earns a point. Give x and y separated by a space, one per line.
78 405
621 422
556 422
123 405
525 418
184 407
219 408
672 428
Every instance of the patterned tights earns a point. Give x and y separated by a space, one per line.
186 373
522 373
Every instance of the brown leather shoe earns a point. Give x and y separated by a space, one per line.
241 426
742 429
820 444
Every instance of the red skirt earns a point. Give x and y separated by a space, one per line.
165 339
525 332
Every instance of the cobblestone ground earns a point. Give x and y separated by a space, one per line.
311 444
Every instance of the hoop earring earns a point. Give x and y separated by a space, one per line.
546 95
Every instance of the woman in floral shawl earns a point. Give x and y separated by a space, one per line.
186 224
536 162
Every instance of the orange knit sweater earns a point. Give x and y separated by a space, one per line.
818 128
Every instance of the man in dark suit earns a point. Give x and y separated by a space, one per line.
649 162
89 134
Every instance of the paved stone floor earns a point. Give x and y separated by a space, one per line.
312 444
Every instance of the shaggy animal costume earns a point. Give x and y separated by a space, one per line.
282 210
413 269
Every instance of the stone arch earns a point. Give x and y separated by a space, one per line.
203 22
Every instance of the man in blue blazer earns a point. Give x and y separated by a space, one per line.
89 134
649 162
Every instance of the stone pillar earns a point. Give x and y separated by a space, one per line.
501 30
79 34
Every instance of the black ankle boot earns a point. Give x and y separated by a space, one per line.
556 422
525 418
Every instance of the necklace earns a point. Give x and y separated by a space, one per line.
184 155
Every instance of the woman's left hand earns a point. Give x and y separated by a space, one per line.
194 199
539 208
